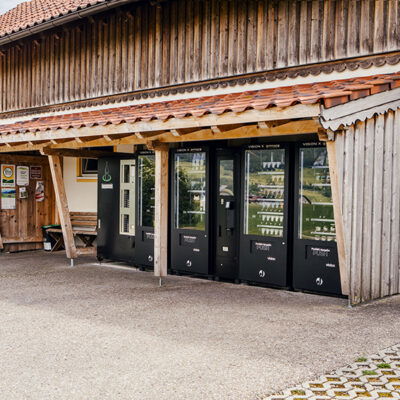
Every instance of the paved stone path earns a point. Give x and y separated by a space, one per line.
374 377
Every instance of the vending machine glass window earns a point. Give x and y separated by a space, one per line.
226 177
316 218
127 198
264 192
190 190
146 189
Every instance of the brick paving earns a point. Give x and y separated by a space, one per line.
373 377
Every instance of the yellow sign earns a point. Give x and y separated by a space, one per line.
7 175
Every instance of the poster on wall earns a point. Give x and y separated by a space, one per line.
8 199
22 175
39 191
23 193
7 175
36 172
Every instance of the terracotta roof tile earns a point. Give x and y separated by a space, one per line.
328 94
34 12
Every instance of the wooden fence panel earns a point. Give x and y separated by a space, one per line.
370 189
20 229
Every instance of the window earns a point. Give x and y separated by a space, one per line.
315 198
264 192
86 168
146 189
190 191
127 198
89 166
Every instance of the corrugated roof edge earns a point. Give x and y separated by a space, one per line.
62 20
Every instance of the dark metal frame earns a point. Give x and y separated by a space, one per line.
195 257
144 234
264 259
318 272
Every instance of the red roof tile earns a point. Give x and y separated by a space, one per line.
34 12
326 93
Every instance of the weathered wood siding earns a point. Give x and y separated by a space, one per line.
21 229
148 46
368 158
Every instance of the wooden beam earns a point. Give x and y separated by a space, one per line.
78 153
161 211
62 206
340 237
229 118
175 132
187 135
20 147
216 130
246 131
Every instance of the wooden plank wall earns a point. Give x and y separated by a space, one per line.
148 46
368 156
24 223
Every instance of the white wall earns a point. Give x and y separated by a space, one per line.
82 196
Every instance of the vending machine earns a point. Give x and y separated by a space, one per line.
265 203
226 217
315 259
145 201
116 209
190 210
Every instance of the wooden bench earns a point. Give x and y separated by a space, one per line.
84 227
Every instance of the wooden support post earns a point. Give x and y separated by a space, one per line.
161 211
340 237
62 206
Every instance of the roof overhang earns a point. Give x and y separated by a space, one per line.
344 115
297 119
62 20
295 110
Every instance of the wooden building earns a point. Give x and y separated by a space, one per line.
223 79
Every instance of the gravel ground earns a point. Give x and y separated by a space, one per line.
95 332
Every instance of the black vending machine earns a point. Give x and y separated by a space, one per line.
315 259
189 210
116 209
226 220
145 201
265 204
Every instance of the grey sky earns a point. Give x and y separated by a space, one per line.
6 5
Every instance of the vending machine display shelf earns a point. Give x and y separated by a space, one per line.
270 213
322 220
272 187
270 173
